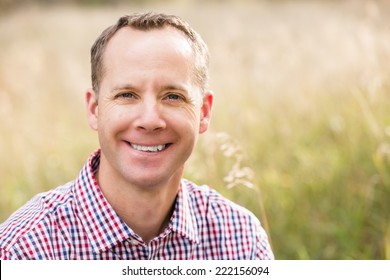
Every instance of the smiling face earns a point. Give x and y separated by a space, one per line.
149 110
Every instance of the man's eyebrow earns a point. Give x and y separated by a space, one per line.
168 87
175 87
124 86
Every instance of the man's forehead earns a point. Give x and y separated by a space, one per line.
136 43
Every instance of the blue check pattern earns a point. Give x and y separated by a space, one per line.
76 222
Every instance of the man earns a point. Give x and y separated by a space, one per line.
149 101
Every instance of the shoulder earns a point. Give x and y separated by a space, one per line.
32 218
213 201
235 230
215 209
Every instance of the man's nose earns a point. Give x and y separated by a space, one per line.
150 116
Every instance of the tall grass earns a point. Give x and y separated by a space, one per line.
301 126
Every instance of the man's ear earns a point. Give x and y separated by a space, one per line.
92 108
205 114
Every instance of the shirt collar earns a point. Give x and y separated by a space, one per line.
105 228
183 219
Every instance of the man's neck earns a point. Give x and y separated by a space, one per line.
147 215
146 211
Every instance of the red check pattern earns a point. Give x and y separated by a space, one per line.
75 221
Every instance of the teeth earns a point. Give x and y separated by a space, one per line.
157 148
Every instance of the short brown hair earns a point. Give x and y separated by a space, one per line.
148 21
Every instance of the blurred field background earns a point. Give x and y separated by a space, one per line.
301 124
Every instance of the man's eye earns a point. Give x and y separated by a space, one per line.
174 97
126 95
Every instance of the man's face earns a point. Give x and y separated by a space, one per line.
150 110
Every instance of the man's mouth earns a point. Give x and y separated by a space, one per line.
150 149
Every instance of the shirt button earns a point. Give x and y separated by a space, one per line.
133 241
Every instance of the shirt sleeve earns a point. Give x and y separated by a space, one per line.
264 250
5 255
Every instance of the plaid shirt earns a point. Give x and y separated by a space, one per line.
75 221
